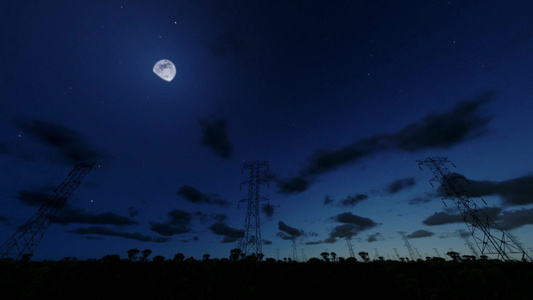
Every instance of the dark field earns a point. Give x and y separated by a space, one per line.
113 278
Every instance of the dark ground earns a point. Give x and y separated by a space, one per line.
112 278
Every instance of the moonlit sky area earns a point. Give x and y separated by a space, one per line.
341 98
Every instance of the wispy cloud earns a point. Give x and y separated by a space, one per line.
516 218
352 200
400 184
193 195
351 226
374 237
71 146
68 214
288 232
230 234
420 234
441 218
177 223
508 219
437 130
99 230
516 191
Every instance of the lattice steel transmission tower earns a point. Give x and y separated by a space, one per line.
251 242
294 249
26 239
409 247
465 236
397 254
489 237
437 252
350 247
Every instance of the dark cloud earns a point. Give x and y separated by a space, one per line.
344 230
328 200
441 218
68 215
215 137
516 191
220 217
361 222
353 200
400 184
329 240
509 219
353 224
36 196
375 237
516 218
436 130
71 146
209 218
293 185
420 234
420 200
268 209
177 223
230 234
444 130
288 232
132 212
193 195
325 160
98 230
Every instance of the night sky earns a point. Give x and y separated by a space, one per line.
340 97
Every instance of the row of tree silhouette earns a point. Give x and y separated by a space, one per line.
247 278
236 254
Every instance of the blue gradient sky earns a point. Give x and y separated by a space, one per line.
340 97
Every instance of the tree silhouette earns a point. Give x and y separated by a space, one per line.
158 259
454 255
325 255
179 257
207 256
110 258
333 255
145 253
364 256
26 257
132 254
234 254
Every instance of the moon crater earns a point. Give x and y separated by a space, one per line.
165 69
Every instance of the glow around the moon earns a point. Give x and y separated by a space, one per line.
165 69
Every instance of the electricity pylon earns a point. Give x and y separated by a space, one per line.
24 241
465 236
489 237
294 249
409 247
350 247
251 241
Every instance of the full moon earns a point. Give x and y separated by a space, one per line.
165 69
